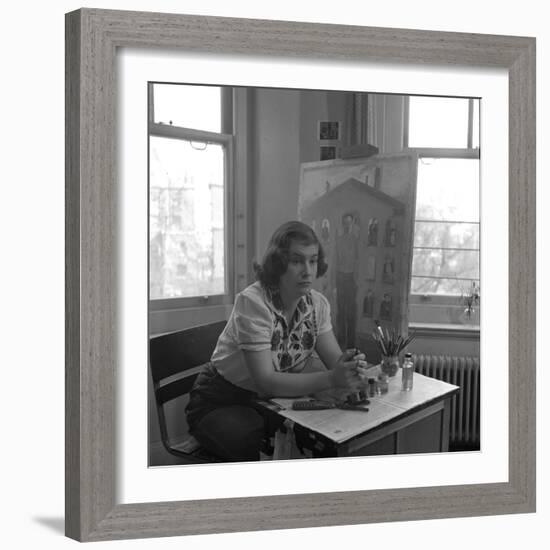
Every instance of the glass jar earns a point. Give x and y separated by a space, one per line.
390 364
382 384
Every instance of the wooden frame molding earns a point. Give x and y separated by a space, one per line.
92 39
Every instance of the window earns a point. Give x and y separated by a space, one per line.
190 147
445 133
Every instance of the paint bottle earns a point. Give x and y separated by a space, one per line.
371 387
407 373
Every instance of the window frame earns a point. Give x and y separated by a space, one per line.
226 139
470 152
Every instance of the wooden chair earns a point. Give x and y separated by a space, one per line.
175 360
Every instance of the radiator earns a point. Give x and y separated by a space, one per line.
462 372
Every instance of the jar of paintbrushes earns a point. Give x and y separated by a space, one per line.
391 344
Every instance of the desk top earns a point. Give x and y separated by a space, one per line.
341 425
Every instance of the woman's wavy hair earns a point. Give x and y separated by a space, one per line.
275 260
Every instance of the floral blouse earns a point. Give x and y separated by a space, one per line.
257 323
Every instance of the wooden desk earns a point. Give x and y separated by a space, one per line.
416 421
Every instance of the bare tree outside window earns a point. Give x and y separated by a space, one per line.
446 239
187 192
186 221
445 131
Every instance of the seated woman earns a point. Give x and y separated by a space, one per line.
275 326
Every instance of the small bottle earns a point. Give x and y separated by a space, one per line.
407 373
382 384
353 398
371 388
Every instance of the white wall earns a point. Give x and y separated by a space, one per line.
276 161
32 227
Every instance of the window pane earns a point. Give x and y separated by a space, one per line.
438 122
446 263
475 125
420 285
446 235
196 107
448 189
187 232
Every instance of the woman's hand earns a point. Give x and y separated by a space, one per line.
348 372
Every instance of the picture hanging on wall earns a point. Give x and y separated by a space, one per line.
329 130
327 152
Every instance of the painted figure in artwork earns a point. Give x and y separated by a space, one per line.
372 236
325 230
346 264
388 270
386 307
368 304
390 235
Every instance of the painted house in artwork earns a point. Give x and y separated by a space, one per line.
362 231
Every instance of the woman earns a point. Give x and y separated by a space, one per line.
275 326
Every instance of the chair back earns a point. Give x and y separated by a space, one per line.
175 360
178 356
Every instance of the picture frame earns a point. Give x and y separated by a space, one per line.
327 152
92 39
329 130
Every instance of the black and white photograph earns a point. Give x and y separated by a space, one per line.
329 130
273 336
327 152
181 145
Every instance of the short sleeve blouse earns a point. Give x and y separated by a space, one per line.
257 323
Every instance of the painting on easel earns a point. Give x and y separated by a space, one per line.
369 244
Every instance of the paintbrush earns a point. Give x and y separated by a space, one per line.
390 341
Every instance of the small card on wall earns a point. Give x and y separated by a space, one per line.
329 129
327 152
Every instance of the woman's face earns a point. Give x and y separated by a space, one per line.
300 274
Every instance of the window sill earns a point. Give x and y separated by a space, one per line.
432 330
175 304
